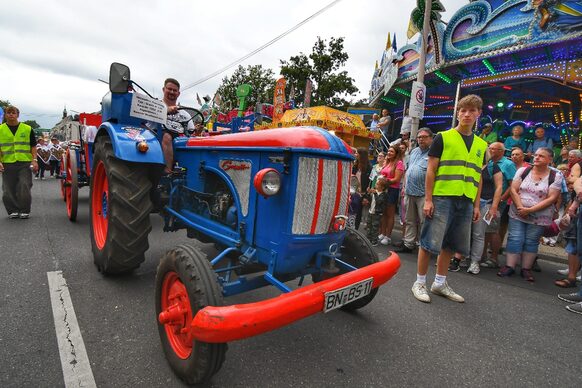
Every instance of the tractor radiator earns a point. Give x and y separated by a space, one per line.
322 194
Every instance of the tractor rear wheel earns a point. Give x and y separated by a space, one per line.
357 251
71 185
120 209
186 283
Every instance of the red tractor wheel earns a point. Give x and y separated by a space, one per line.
120 208
62 173
357 251
71 184
186 283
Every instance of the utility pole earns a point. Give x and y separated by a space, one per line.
421 62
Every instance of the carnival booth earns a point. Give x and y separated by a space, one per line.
523 57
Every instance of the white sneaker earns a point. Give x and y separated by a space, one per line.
13 215
446 291
474 268
563 272
420 292
381 237
386 241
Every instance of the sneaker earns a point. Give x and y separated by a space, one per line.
404 249
35 178
505 271
454 266
386 241
575 308
465 263
563 272
489 264
374 243
570 298
446 291
24 216
420 292
474 268
381 237
13 215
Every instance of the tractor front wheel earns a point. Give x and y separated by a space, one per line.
357 251
120 209
186 283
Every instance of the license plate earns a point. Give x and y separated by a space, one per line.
338 298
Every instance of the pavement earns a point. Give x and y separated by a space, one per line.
508 333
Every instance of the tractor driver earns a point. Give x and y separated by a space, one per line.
174 126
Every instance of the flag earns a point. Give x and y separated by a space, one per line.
412 30
388 44
198 99
217 100
394 43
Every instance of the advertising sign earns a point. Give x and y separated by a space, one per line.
279 99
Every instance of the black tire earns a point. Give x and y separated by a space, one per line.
195 273
357 251
120 212
72 186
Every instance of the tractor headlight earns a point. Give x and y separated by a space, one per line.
267 182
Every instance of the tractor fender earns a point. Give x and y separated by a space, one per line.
125 138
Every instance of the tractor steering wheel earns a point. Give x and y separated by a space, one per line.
195 115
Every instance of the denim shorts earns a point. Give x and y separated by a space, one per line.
571 247
523 237
393 196
450 226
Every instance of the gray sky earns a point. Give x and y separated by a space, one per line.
53 51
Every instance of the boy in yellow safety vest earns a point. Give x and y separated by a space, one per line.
453 189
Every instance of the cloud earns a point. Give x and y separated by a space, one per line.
55 50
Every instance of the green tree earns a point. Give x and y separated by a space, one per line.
261 80
331 85
33 124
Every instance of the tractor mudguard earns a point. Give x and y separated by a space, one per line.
124 139
229 323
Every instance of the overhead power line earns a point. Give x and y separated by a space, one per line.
259 49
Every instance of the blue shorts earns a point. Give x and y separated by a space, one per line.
450 226
523 237
571 247
393 196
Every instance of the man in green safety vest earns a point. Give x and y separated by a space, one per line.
453 189
17 158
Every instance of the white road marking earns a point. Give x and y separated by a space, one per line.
74 361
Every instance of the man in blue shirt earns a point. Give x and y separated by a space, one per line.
508 169
414 190
539 141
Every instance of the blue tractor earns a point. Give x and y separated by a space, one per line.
273 202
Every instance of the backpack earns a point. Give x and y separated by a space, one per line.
551 178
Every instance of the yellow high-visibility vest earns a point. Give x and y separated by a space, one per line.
15 148
459 171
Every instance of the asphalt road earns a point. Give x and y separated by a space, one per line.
508 333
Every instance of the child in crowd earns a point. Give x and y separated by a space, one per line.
379 200
355 204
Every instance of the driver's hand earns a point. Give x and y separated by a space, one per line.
172 109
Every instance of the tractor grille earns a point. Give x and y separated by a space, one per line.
322 193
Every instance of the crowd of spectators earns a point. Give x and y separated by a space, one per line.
527 195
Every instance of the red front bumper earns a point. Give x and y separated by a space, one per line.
234 322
